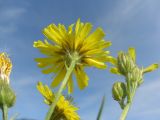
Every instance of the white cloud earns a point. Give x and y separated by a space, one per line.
10 16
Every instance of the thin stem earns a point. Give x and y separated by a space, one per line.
5 112
127 107
125 111
69 71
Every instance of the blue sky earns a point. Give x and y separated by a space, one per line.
127 23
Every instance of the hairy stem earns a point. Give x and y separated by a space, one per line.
52 107
128 105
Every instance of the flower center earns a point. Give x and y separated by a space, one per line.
74 56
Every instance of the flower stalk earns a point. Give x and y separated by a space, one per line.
128 105
5 112
59 93
123 92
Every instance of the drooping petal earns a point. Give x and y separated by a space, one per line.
82 78
57 80
70 85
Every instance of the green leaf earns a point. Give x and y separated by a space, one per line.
101 108
151 68
132 53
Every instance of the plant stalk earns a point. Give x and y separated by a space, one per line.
64 82
129 103
5 112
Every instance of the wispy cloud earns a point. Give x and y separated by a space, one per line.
11 13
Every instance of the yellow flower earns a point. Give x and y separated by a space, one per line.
5 67
77 41
64 109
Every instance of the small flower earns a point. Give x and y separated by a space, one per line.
5 67
64 109
77 42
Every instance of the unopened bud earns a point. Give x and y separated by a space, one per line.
125 63
136 76
119 91
7 95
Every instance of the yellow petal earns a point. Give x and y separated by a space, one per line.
77 25
112 60
45 91
49 70
115 71
151 68
57 80
82 78
70 85
132 53
91 40
95 63
52 33
46 48
62 30
82 34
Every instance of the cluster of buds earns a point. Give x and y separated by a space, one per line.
7 95
126 66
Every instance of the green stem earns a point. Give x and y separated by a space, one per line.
125 111
5 112
127 107
69 71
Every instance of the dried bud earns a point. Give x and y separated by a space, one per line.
7 95
125 63
119 91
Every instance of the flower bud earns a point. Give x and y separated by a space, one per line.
119 91
125 63
136 76
7 95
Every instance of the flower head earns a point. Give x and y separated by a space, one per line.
77 42
5 67
64 109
